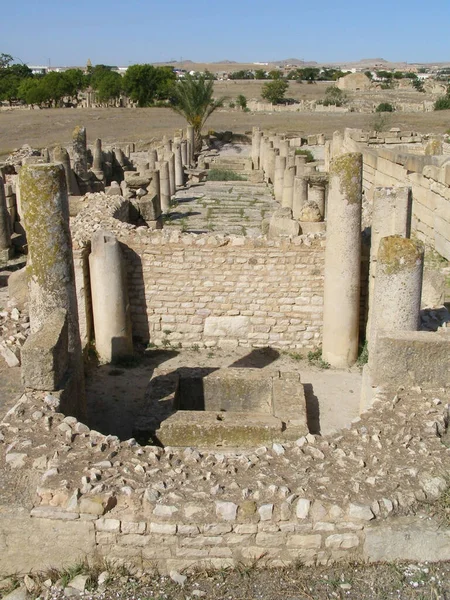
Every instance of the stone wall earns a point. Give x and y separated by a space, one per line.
360 494
211 290
427 175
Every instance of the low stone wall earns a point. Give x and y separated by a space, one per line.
428 176
349 496
212 290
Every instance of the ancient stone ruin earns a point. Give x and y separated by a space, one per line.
131 248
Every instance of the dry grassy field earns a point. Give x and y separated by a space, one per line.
41 128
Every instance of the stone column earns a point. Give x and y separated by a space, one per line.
45 155
60 155
167 144
170 158
179 172
164 186
97 164
110 304
300 195
190 136
300 162
316 193
284 148
398 287
184 155
5 229
391 216
80 165
288 187
152 159
256 146
271 155
343 262
280 166
50 268
336 145
290 160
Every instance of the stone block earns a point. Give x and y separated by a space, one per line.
412 358
282 224
235 327
45 355
28 544
150 208
312 227
227 429
407 538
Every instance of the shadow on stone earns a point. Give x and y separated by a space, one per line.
312 409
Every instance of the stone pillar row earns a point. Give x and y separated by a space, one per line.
287 172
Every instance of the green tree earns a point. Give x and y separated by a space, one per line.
384 107
5 59
260 74
145 83
31 91
109 87
275 91
193 99
76 81
241 75
309 74
11 77
275 74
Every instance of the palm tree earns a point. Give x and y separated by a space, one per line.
193 99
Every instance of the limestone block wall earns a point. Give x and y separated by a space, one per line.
427 175
210 290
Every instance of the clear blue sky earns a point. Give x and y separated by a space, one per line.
123 32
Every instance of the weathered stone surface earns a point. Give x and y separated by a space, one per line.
226 510
406 538
310 212
49 543
18 287
45 355
234 327
282 223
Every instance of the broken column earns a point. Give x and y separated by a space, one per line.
170 158
190 136
110 304
256 145
317 191
288 187
5 227
271 155
164 186
280 166
97 164
80 162
398 287
50 269
179 172
300 195
60 155
343 261
152 159
184 155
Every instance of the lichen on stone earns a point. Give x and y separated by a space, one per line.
397 253
348 168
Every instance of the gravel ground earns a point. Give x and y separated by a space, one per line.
355 582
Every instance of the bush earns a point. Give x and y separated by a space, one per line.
232 105
241 101
442 103
307 153
384 107
334 96
274 91
224 175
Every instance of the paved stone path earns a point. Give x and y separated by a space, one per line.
234 207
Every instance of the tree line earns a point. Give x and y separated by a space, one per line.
144 84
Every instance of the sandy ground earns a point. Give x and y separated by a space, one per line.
41 128
117 397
